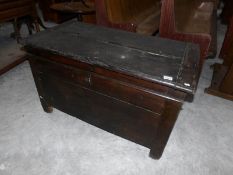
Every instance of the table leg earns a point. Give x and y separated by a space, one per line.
79 17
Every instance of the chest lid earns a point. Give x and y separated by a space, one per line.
167 62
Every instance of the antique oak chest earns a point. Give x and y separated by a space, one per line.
130 85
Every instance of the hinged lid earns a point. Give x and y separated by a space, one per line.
163 61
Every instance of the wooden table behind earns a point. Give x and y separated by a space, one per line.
11 10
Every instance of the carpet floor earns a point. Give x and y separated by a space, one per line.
33 142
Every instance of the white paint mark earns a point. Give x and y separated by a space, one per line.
123 56
165 77
187 84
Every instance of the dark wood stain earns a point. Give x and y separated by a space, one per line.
85 76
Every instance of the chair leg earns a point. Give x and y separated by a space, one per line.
29 26
37 25
41 23
16 30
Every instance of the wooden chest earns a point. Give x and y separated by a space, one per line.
129 85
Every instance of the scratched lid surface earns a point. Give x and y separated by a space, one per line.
164 61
